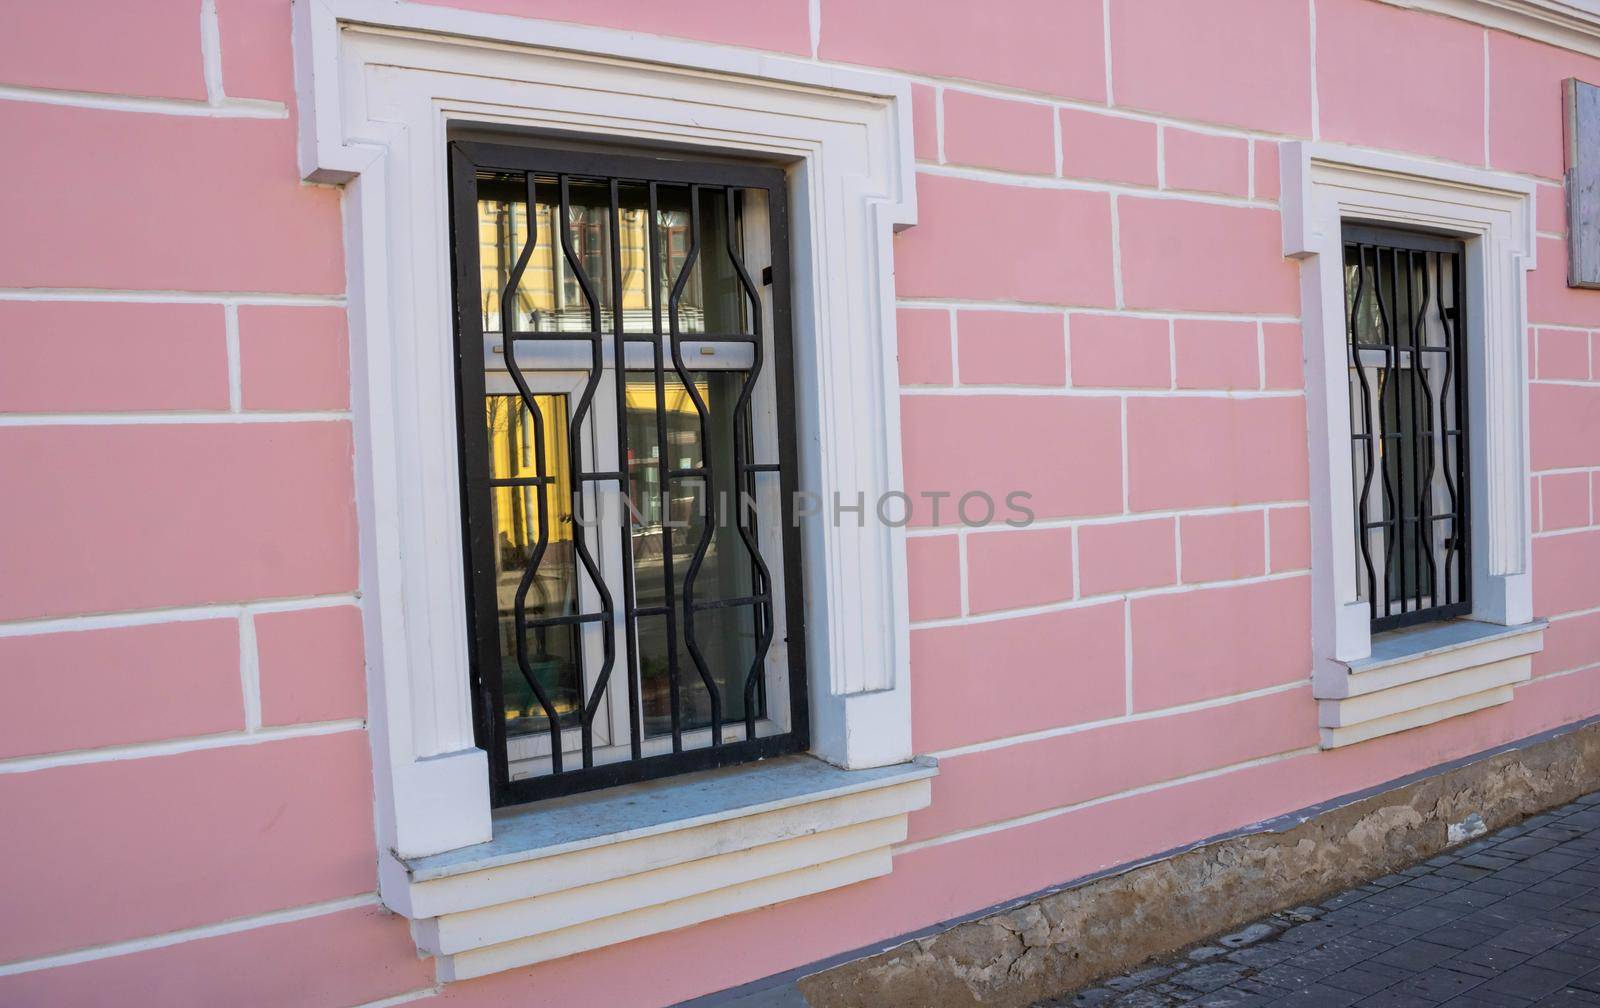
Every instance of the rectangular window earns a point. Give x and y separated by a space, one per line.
1405 296
627 453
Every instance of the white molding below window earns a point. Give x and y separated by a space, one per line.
1324 186
580 873
379 86
1570 24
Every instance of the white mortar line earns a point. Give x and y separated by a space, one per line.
1122 419
1055 130
1151 715
146 419
1127 657
1077 590
938 119
1486 97
1090 392
955 349
1557 675
1311 65
1177 549
1026 820
234 926
230 324
1105 30
1085 602
173 747
1037 307
168 296
1119 517
406 998
1172 355
250 671
1116 254
175 614
211 51
814 22
1161 156
226 108
961 566
1020 180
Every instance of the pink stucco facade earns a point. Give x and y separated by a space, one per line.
1093 303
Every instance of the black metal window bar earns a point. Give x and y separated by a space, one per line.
627 454
1405 314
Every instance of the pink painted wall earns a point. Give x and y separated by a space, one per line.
183 761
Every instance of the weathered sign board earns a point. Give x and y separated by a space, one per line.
1582 108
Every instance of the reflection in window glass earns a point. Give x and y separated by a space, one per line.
726 637
553 659
551 297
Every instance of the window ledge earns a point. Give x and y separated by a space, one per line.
1425 674
577 873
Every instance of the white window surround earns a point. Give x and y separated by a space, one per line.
1369 686
379 84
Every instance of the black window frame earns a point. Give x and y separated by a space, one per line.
1450 569
469 158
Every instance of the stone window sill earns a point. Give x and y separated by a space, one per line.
1425 674
577 873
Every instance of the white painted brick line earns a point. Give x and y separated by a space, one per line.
149 419
961 561
1035 817
1311 68
1043 307
97 294
250 671
211 52
225 108
1127 656
938 119
177 614
1210 703
1021 180
230 317
1096 392
1120 517
183 935
1093 600
955 350
1105 28
172 747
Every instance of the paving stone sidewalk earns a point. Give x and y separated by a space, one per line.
1507 921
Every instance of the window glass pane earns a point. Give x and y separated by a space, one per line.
668 529
550 295
552 658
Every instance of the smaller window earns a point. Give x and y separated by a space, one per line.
1404 319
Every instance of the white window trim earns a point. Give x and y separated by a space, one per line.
377 82
1419 676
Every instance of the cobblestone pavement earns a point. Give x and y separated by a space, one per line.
1507 921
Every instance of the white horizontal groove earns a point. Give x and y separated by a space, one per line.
226 108
1043 307
175 614
1558 533
168 296
1033 817
182 935
1559 328
1557 675
173 747
1049 733
1581 383
1021 180
127 419
400 999
1098 392
1118 518
1091 600
1573 614
1566 471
